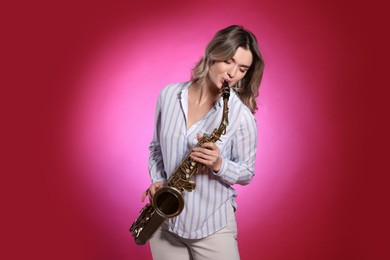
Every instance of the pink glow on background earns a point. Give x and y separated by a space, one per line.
88 123
112 123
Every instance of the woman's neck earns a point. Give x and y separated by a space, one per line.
203 93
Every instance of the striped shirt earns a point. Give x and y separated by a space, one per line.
205 208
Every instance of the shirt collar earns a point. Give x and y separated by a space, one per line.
184 90
184 93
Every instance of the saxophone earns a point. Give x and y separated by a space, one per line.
168 201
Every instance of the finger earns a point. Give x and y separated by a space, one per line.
152 191
210 145
202 161
153 188
198 136
201 151
201 156
143 196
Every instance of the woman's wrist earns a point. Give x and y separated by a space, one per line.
218 165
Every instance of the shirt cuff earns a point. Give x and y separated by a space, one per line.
223 168
157 178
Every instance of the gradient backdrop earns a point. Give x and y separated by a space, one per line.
87 75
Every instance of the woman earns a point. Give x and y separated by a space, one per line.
206 228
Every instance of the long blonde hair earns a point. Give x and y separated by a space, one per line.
222 47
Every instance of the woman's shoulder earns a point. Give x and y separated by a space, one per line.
242 110
236 101
171 91
174 87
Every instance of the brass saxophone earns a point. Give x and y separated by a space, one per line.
168 201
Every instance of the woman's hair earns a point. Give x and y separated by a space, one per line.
222 47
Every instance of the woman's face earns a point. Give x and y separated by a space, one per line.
232 70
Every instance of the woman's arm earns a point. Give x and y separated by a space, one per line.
239 168
155 163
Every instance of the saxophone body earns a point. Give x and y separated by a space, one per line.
168 201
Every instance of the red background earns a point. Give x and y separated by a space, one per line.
81 81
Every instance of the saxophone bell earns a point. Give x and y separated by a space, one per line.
168 202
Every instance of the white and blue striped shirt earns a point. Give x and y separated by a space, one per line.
205 208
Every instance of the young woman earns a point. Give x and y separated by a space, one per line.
206 228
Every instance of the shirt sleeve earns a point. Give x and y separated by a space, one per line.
155 163
239 168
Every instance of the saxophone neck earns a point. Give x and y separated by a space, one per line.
221 130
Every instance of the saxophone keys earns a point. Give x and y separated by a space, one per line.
189 186
187 173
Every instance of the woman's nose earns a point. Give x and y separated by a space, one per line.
232 72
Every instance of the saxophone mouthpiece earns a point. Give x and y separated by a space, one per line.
225 89
225 83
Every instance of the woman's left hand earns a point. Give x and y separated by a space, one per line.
208 154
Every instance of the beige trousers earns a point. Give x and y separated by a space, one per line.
221 245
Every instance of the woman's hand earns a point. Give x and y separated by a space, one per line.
151 191
208 154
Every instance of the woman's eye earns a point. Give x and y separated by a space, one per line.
227 61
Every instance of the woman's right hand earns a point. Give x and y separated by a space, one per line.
151 191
